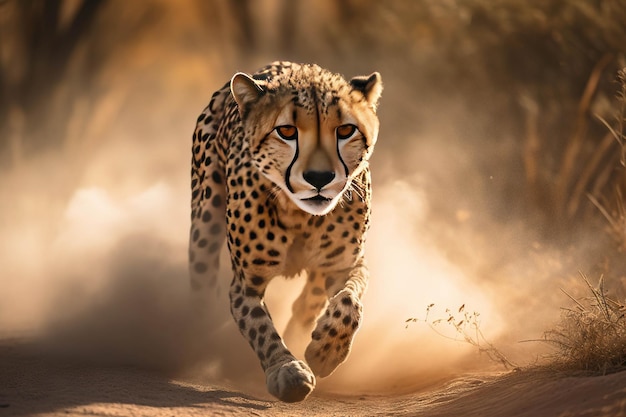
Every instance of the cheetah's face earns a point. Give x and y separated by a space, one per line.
311 139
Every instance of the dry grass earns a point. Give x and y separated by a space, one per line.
466 328
591 335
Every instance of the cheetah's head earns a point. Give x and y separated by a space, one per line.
309 131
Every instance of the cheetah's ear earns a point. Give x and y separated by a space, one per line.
371 86
245 90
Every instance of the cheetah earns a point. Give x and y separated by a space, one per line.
280 171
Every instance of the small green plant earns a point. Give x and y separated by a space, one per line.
466 326
591 336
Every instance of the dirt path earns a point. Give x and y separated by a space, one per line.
35 383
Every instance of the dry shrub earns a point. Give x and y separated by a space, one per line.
466 328
591 336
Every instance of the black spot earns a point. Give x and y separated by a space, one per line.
247 218
326 244
306 235
260 209
270 236
346 320
207 192
245 310
253 235
261 341
206 216
215 246
200 267
337 314
247 204
261 224
257 280
257 312
242 324
273 253
346 301
336 252
259 261
326 346
252 334
217 200
356 226
251 292
332 332
329 282
263 328
345 234
195 235
319 221
275 336
216 229
271 348
330 228
317 291
202 243
238 302
216 177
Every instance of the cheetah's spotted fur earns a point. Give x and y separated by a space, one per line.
280 168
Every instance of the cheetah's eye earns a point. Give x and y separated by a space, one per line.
287 132
345 131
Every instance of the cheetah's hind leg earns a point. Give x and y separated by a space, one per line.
305 310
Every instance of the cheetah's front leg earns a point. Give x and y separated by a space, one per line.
287 378
332 338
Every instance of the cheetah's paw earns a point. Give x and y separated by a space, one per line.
290 382
332 338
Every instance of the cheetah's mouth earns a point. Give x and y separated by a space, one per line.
317 198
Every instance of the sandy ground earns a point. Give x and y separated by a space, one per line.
34 382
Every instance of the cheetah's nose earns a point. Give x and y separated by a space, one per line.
318 179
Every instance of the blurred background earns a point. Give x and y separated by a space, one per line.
499 170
